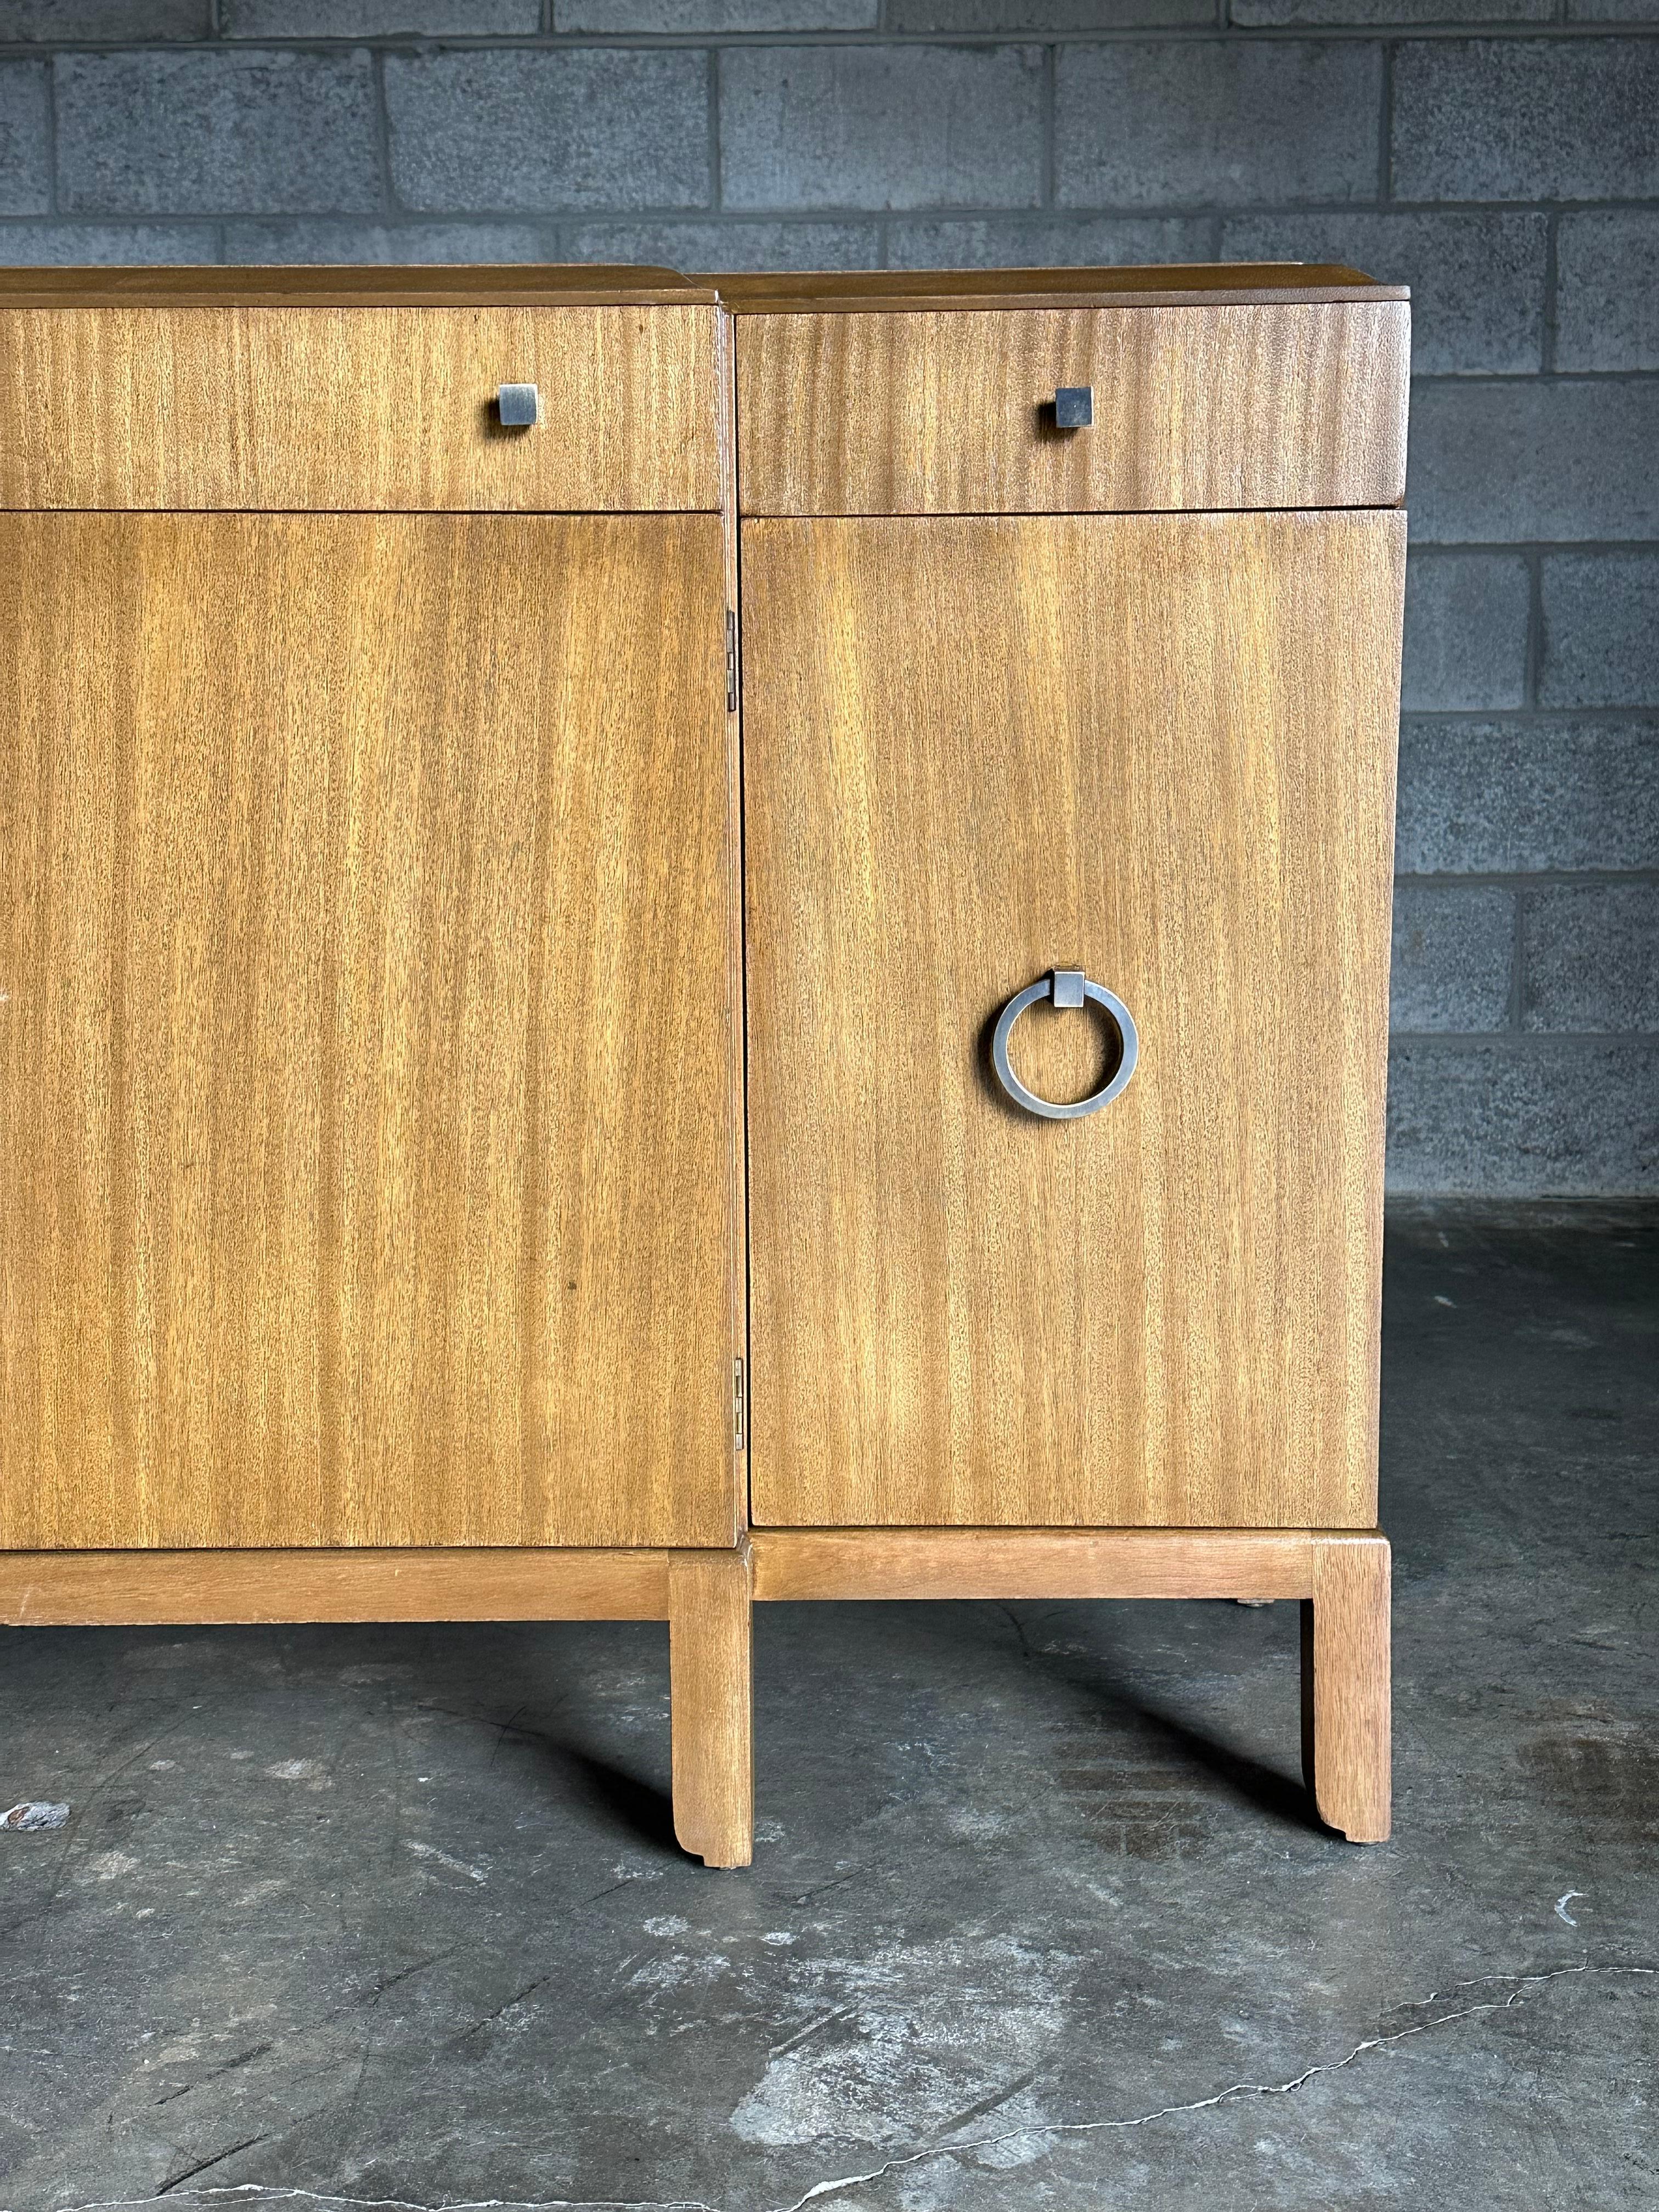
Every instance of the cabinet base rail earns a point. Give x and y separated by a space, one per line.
1340 1577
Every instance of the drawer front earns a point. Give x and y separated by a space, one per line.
1195 407
1166 758
372 408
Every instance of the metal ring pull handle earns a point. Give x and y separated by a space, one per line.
1067 987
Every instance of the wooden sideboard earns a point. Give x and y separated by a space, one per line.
513 1095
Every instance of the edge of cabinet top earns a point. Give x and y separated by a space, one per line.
868 291
894 291
512 285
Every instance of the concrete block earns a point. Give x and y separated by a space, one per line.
805 127
374 19
128 20
1042 241
105 245
1492 463
195 132
1507 798
711 248
1606 290
691 18
25 188
575 127
1229 121
1591 957
1525 1119
1477 280
1311 14
1466 632
1036 16
715 246
1453 953
1526 120
1601 642
374 243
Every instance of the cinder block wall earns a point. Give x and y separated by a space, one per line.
1501 156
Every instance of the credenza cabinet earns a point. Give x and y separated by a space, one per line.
665 943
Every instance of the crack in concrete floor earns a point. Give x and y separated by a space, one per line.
255 2193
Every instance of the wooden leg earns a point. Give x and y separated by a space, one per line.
710 1610
1344 1686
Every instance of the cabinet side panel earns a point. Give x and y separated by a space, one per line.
1160 749
364 1052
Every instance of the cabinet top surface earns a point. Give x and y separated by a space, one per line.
851 292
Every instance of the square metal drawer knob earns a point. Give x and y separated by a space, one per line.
518 406
1074 407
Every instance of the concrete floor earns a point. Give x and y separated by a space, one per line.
1038 1916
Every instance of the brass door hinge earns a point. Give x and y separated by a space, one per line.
731 662
739 1409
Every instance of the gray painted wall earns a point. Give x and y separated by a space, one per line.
1501 156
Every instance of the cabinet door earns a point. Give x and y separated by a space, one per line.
366 1008
1156 748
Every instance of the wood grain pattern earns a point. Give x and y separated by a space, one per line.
1346 1695
384 407
90 1589
710 1639
477 284
882 291
620 284
365 1043
1202 407
1032 1563
1162 749
727 379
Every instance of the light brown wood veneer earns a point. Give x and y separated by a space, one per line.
1195 406
889 291
1032 1563
337 407
1158 748
711 1670
1346 1684
366 1042
149 1589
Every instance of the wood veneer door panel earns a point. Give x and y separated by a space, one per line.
365 1046
377 408
1158 748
